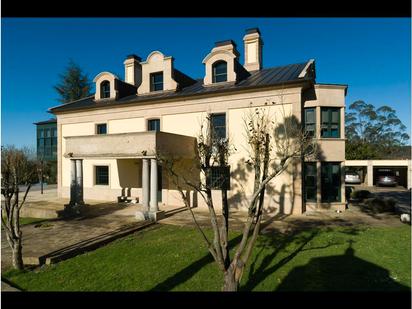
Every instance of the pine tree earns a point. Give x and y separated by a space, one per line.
74 84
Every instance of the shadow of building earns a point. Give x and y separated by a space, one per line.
345 272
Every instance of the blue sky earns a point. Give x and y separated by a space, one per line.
371 55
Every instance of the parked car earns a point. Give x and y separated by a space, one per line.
352 177
386 177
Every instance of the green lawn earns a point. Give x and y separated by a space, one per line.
174 258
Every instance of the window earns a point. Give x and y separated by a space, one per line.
156 81
105 89
218 126
219 70
310 121
331 182
102 175
41 133
310 181
218 177
101 128
47 132
54 132
330 123
153 125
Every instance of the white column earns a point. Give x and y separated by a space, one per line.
145 184
370 173
153 186
79 181
73 184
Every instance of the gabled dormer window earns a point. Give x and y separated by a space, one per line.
219 70
105 89
156 81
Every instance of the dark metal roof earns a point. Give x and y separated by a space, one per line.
52 120
260 78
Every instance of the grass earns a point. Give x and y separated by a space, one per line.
27 220
174 258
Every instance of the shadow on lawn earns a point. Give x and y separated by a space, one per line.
340 273
334 273
188 272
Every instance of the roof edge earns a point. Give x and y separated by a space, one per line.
152 99
305 69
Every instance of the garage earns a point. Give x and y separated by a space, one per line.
400 173
370 170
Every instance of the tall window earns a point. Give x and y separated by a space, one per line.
105 89
153 125
101 128
310 182
330 122
102 175
331 182
218 125
219 70
156 81
310 121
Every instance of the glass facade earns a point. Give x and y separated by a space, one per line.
47 141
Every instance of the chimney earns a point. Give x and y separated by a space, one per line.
133 70
253 50
228 45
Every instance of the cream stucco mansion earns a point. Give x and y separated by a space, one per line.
107 143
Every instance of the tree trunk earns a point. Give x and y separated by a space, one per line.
225 232
17 257
230 283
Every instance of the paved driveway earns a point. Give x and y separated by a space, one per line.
400 194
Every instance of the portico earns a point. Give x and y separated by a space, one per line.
130 165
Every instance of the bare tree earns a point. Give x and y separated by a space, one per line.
273 146
17 168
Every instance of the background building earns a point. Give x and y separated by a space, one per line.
46 135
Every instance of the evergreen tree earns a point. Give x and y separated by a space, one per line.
373 133
74 84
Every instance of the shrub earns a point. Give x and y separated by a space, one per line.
380 205
360 195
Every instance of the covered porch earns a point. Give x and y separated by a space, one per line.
123 166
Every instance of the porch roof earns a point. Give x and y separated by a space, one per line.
130 145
